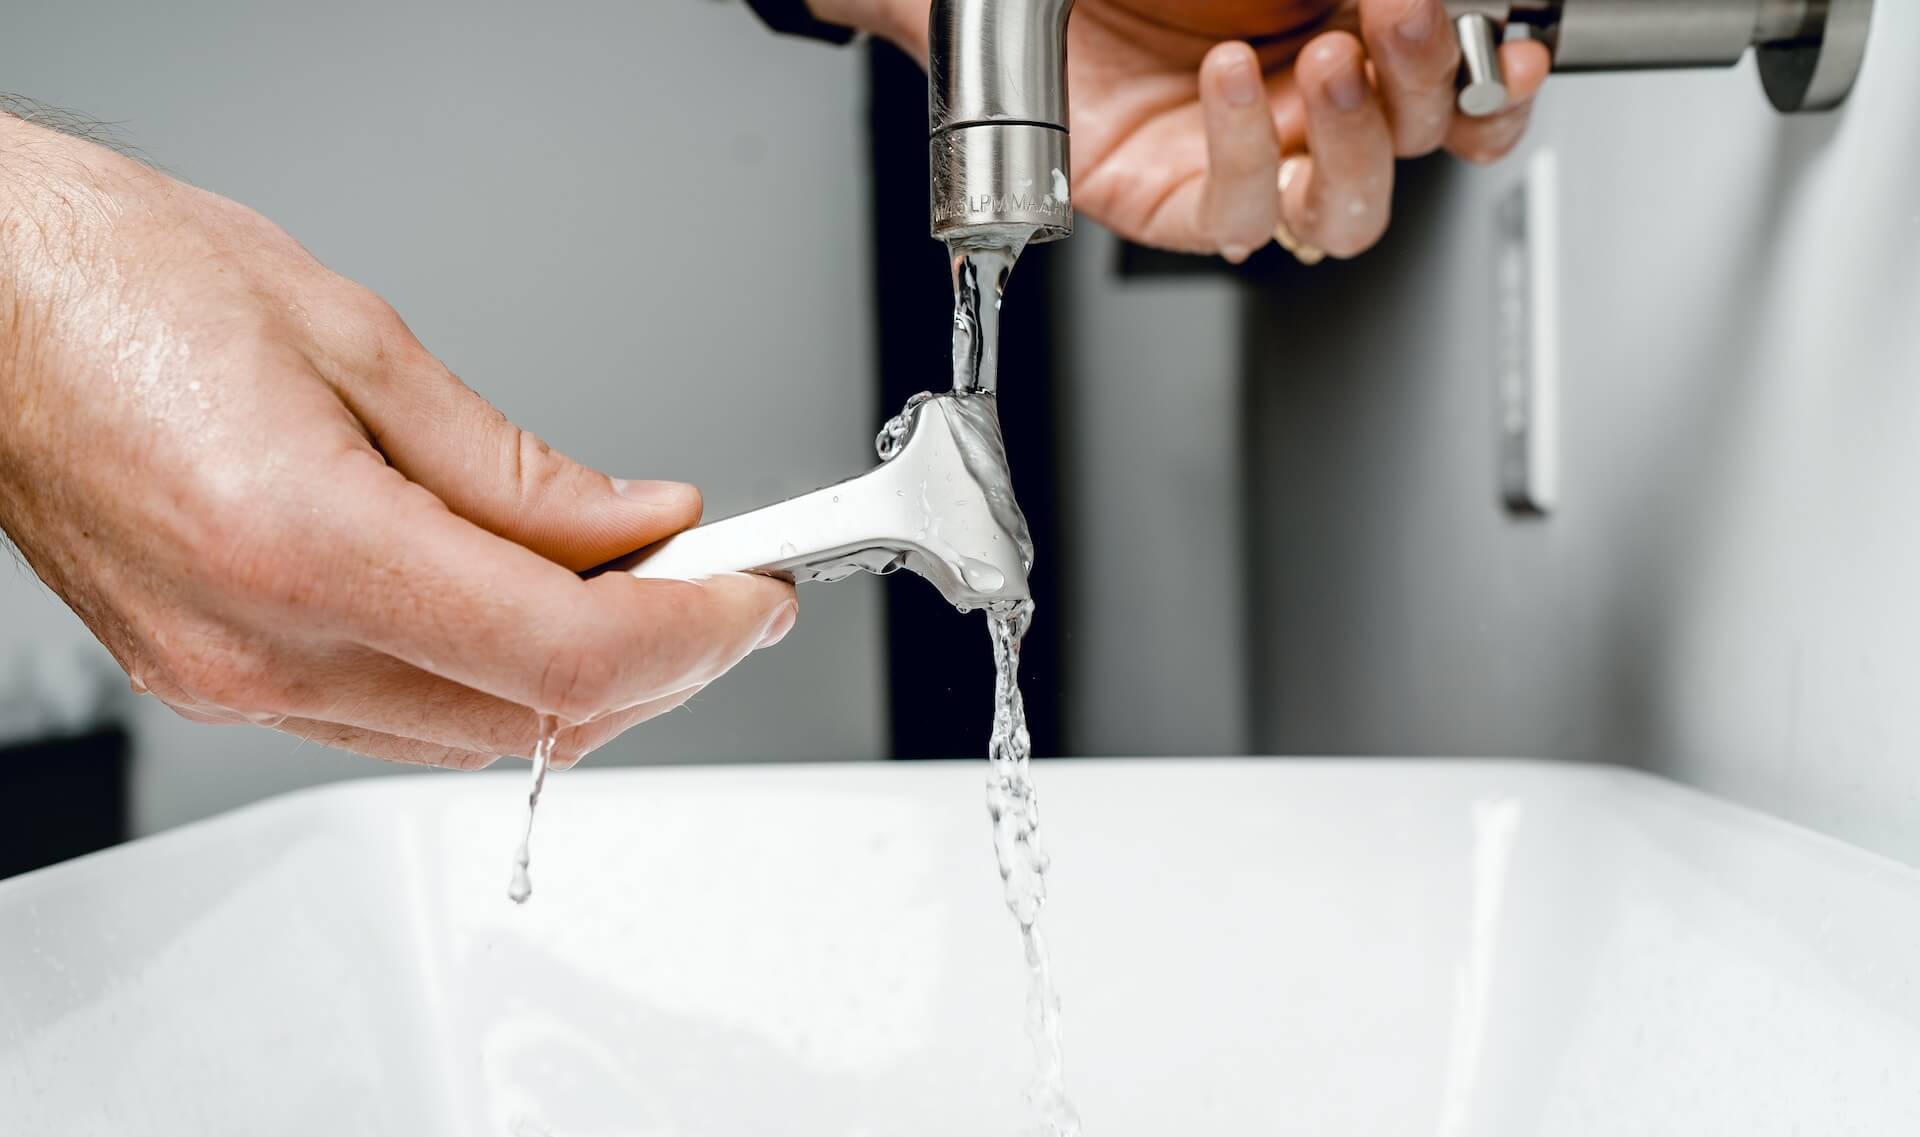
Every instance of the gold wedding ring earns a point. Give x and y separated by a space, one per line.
1283 235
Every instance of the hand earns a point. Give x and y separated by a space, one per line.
274 506
1180 126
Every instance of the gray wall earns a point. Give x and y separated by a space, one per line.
1156 647
1730 593
636 226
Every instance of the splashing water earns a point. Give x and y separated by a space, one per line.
1015 810
981 267
899 428
520 890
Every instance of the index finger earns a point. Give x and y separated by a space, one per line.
416 582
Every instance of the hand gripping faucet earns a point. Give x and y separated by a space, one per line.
1810 51
941 502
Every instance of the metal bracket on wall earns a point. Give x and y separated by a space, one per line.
1810 51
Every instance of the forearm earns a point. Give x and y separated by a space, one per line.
46 192
57 210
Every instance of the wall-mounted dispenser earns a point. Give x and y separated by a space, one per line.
1810 51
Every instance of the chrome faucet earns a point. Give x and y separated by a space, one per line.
997 110
941 503
1810 51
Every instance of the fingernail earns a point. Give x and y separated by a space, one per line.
1291 169
1416 26
1348 89
651 492
780 625
1240 83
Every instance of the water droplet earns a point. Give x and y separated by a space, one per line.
138 684
521 887
789 550
836 499
981 576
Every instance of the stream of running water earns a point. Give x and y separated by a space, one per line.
980 274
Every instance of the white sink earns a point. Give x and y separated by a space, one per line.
1254 947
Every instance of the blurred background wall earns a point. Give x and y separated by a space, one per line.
1729 591
1277 525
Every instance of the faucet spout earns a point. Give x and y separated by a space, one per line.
997 101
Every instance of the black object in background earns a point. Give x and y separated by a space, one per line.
795 18
941 663
63 797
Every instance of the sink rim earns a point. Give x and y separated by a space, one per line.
1542 772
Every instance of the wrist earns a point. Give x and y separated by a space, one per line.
57 213
30 186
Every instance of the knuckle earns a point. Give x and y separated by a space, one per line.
1328 53
578 683
1437 70
372 328
512 732
239 562
1233 160
535 465
249 559
1421 133
213 668
721 624
452 758
1126 190
371 312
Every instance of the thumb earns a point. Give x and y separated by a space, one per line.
439 433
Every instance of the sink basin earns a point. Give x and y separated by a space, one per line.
1244 947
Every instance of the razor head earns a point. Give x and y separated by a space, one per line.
940 506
